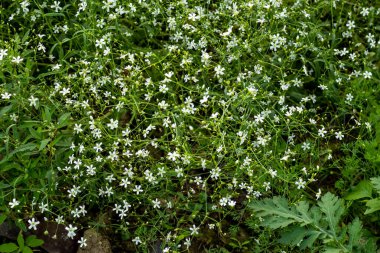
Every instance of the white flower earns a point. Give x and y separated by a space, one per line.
318 195
82 242
367 75
6 95
56 6
187 243
219 70
156 203
17 60
136 240
113 124
14 203
351 24
194 230
33 101
71 231
339 135
300 183
78 128
33 224
3 52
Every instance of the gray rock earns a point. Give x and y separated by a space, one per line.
96 243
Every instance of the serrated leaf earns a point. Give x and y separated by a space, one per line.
333 208
294 236
8 247
361 190
376 183
373 206
312 236
354 233
276 211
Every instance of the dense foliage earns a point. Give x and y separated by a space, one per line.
160 121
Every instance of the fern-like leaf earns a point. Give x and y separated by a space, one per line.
303 225
376 183
333 208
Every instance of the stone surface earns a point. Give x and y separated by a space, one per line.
96 243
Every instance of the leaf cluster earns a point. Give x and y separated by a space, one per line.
307 226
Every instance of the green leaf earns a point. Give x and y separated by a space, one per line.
20 240
8 247
373 206
332 250
3 217
278 214
5 109
32 241
294 236
43 144
333 208
376 183
64 120
27 250
354 233
309 241
362 190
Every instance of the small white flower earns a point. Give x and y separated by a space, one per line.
33 224
318 195
194 230
339 135
156 203
14 203
300 183
71 231
17 60
33 101
136 240
78 128
113 124
367 75
82 242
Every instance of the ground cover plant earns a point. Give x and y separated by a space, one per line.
201 126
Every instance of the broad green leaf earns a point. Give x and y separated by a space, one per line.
373 206
361 190
8 247
20 240
32 241
376 183
27 250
